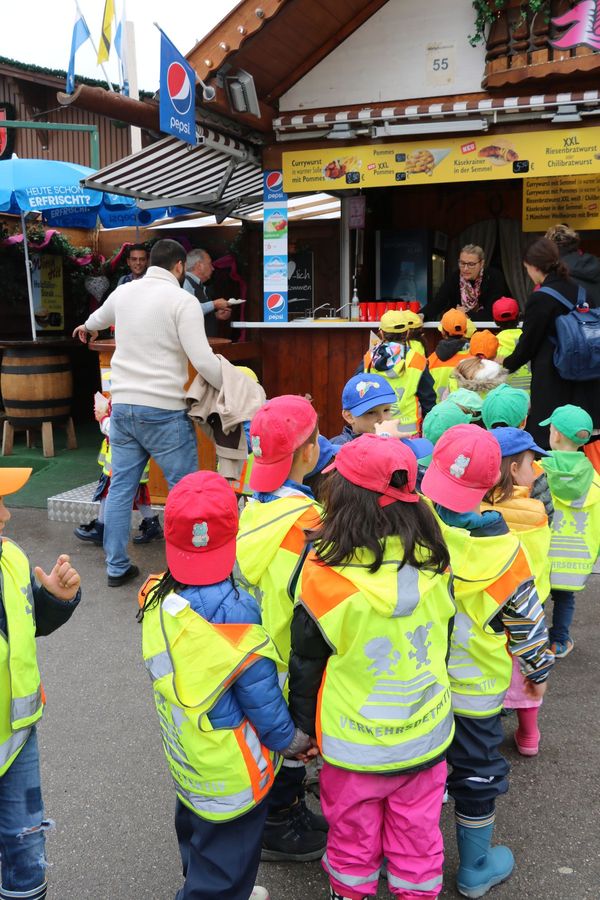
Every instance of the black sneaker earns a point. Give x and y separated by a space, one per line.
286 838
310 820
92 532
128 575
150 530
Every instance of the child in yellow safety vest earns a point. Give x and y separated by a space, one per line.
271 549
31 605
575 546
368 676
215 683
527 518
498 609
451 349
406 371
414 334
506 313
93 532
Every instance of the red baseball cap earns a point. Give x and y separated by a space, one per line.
465 465
505 309
370 460
277 430
201 523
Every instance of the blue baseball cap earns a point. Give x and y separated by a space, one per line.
421 447
515 440
364 392
327 451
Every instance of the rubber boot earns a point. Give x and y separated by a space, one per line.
150 530
38 893
333 895
259 893
92 532
481 865
527 735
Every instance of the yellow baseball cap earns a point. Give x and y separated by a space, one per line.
12 480
394 322
248 371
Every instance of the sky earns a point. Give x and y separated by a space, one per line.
48 42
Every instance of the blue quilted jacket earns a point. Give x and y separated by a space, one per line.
256 694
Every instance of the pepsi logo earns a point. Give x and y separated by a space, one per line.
179 88
275 302
274 180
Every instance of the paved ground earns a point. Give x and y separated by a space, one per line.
106 783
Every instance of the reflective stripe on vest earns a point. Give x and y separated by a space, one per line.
404 380
575 539
21 702
479 665
384 702
219 774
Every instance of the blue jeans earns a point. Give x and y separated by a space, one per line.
562 616
136 434
22 825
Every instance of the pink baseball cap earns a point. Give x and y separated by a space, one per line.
465 465
201 523
370 460
277 430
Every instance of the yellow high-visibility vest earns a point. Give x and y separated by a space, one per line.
219 774
575 541
384 702
404 379
507 341
21 702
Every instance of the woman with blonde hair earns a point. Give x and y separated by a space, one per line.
472 287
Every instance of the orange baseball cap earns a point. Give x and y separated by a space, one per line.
484 344
454 321
12 480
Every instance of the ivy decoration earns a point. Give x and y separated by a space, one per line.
487 11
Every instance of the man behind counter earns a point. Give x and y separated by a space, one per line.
137 259
198 271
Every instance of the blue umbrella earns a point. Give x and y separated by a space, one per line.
53 189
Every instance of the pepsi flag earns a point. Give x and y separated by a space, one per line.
177 93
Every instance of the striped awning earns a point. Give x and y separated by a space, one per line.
218 175
300 207
439 109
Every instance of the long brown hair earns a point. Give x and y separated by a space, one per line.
505 487
544 255
354 519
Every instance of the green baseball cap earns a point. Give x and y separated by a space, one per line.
441 418
572 421
505 405
467 400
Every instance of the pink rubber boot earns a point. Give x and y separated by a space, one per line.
527 735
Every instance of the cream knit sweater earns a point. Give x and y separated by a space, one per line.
158 327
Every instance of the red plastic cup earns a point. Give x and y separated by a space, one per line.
372 312
363 312
414 306
381 309
402 305
391 306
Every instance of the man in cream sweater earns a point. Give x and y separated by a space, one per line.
158 327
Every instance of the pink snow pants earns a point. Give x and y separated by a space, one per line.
375 816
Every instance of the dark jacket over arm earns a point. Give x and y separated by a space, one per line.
426 392
51 613
493 286
310 652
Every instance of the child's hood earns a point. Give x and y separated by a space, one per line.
478 561
263 527
389 590
570 475
449 347
521 512
480 385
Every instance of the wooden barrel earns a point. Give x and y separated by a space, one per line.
36 385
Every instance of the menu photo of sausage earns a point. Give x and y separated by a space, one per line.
340 168
499 153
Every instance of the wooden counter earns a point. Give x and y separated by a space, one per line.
317 357
247 353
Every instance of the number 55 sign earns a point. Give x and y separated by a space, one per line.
440 64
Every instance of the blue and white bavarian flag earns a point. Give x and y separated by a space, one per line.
80 35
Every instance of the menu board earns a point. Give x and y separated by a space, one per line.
431 160
47 286
575 200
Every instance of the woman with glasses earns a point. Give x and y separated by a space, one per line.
472 287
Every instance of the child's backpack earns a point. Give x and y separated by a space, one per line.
577 342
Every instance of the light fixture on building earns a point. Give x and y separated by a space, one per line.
431 127
568 112
241 93
342 131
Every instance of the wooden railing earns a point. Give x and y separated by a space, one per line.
520 49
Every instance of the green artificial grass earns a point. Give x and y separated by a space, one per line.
66 470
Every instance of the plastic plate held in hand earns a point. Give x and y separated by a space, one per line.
235 301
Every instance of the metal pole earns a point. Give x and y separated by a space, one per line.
58 126
134 94
28 275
